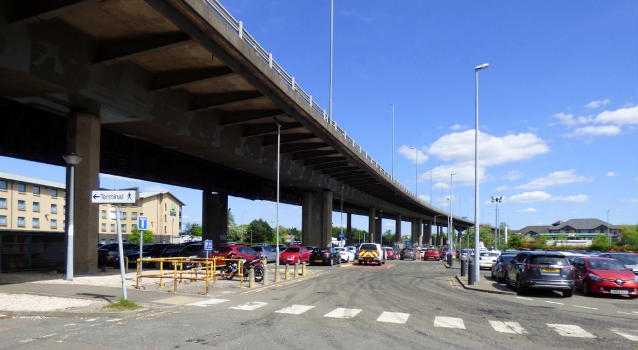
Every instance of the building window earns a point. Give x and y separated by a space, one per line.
22 188
54 208
103 214
20 221
123 228
123 215
133 227
36 206
103 227
54 192
165 230
165 220
112 227
3 203
35 222
54 223
133 216
36 189
3 185
165 208
3 220
21 205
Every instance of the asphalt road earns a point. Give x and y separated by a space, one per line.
402 305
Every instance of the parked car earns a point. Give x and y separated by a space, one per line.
234 251
628 259
571 256
345 254
431 254
325 256
294 254
408 253
499 269
541 270
390 253
487 259
266 251
605 276
108 254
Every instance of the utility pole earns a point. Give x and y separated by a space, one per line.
393 142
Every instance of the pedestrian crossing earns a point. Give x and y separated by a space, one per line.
392 317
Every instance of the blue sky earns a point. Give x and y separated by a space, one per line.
558 104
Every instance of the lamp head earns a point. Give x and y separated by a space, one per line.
482 66
72 158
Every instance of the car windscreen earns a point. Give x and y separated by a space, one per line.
431 250
507 258
368 247
222 250
292 250
606 265
627 259
548 260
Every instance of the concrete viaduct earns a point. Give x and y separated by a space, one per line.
176 91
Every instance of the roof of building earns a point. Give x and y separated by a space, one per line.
583 224
536 229
148 194
31 180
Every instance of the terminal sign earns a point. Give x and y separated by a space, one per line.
114 197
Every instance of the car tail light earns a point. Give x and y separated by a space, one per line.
530 266
326 254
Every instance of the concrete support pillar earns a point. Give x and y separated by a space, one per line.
349 237
378 226
415 232
371 224
83 138
439 235
215 217
427 232
397 229
420 231
316 219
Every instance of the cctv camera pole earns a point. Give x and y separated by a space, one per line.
476 182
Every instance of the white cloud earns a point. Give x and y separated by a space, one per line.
541 196
120 178
597 103
463 175
598 130
410 154
457 127
528 210
513 175
553 179
611 174
621 116
570 120
630 200
424 198
502 188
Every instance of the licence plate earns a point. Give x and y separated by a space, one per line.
318 260
550 270
619 291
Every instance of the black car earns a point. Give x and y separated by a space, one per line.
108 254
499 269
541 270
325 256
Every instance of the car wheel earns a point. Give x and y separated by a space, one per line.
519 287
586 291
568 293
332 262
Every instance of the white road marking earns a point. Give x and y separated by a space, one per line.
524 298
253 305
508 327
94 319
294 309
570 330
52 334
625 313
552 302
75 324
448 322
630 334
31 339
393 317
586 307
207 302
119 319
342 313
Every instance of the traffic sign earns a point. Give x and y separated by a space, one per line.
208 244
341 235
114 197
142 222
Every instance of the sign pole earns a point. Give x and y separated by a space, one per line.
118 214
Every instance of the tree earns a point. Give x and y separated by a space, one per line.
387 238
600 243
237 233
515 241
260 231
134 237
486 235
192 229
629 235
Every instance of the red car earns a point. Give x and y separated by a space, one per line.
390 254
234 251
432 254
605 276
294 254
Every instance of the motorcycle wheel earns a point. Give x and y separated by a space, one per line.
259 274
227 273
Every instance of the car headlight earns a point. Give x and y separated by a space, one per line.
635 277
594 277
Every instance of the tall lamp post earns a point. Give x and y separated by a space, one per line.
451 237
72 160
496 200
476 182
392 142
277 214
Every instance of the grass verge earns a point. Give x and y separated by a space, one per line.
122 305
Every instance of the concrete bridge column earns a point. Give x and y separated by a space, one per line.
83 138
427 233
414 236
316 219
420 231
439 235
349 237
397 229
371 224
214 217
378 227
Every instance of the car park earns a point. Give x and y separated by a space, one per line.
234 251
630 260
108 254
571 256
325 256
294 254
541 270
345 254
390 253
605 276
408 253
431 254
266 251
499 269
487 259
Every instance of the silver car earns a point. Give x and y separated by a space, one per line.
266 251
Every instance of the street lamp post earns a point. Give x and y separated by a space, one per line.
496 200
451 222
331 47
278 168
71 160
476 182
393 142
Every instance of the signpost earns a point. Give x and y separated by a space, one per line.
118 197
208 247
142 224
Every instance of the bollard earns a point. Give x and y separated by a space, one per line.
251 278
296 269
449 259
277 274
463 266
470 273
303 269
286 273
265 280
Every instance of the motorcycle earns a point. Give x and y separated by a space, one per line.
232 267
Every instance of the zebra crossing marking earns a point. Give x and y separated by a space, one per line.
630 334
207 302
251 306
570 330
393 317
295 309
448 322
343 313
508 327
